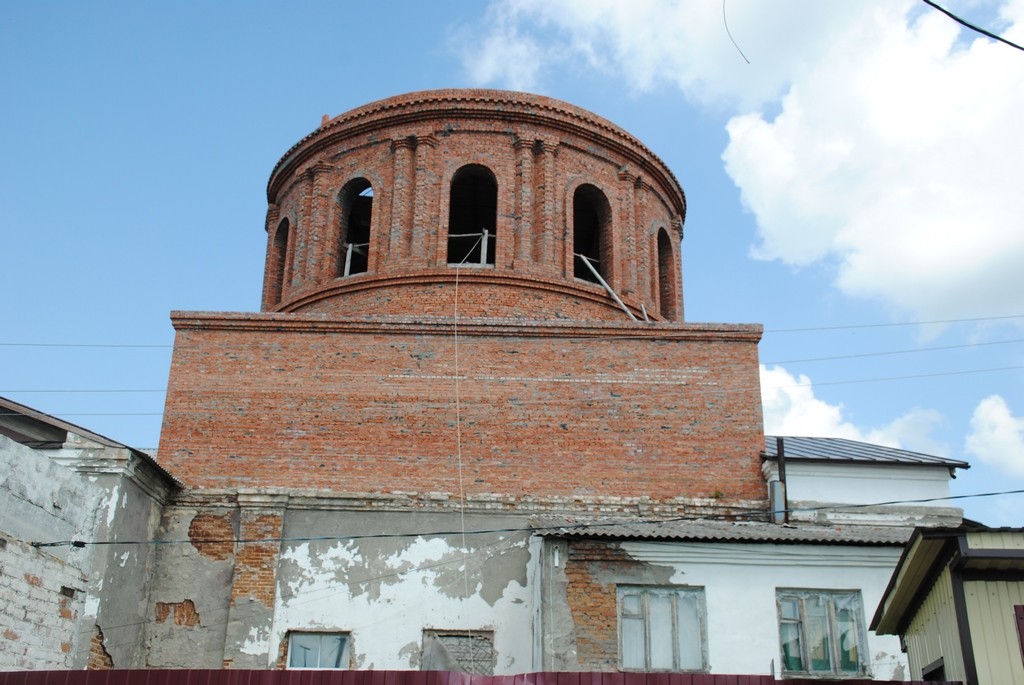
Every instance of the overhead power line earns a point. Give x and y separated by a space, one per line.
892 324
521 529
692 386
99 345
973 27
779 362
804 329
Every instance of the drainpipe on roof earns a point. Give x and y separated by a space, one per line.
777 488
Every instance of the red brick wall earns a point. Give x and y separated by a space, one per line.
410 147
482 293
593 604
572 409
256 562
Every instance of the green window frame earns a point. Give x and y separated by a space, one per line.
821 632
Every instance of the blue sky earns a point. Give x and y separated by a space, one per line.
858 176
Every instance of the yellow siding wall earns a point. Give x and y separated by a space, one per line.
933 634
994 630
995 540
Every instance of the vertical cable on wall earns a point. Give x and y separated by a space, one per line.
458 436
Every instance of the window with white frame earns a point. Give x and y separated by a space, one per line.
822 632
662 628
318 650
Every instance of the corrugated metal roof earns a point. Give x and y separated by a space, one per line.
840 450
721 531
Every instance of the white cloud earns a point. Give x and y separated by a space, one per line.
893 154
997 436
648 43
504 55
897 156
791 408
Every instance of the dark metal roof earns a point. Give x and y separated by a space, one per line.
841 450
721 531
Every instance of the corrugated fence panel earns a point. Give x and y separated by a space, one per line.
241 677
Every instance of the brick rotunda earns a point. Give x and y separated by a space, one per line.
503 264
472 316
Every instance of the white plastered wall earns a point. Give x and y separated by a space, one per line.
740 581
386 602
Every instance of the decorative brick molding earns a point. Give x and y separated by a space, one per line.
408 150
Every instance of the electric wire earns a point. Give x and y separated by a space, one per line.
973 27
532 529
805 360
894 324
458 418
729 33
694 386
302 596
803 329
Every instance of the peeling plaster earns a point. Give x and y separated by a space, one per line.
257 643
92 605
386 592
111 504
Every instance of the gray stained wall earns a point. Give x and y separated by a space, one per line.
65 606
405 588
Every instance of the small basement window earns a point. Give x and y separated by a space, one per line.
465 651
472 217
318 650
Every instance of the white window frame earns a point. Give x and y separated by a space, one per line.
799 621
688 625
293 650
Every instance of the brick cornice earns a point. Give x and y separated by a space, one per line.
473 326
577 290
523 108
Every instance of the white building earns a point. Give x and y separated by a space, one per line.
746 596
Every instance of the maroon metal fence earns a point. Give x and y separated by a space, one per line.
240 677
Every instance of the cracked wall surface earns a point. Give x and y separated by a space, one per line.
194 572
579 578
41 501
380 577
54 596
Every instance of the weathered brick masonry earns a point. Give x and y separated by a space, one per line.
369 406
347 381
432 341
533 152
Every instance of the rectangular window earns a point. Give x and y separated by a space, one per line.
821 631
318 650
466 651
662 629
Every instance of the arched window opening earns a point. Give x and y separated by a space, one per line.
279 260
668 268
356 211
591 216
473 216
